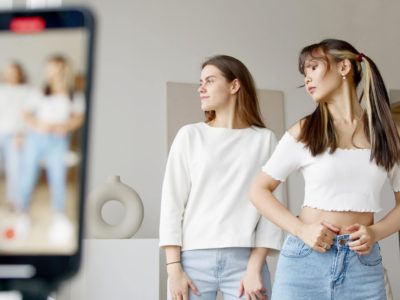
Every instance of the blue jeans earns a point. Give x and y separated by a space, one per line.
51 150
12 163
213 270
305 274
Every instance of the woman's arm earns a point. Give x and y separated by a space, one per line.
179 282
73 123
319 236
364 237
252 284
35 124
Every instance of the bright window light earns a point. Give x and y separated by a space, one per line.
6 4
43 3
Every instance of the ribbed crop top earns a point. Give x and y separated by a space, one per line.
345 180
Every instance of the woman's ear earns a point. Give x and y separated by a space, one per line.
345 67
235 86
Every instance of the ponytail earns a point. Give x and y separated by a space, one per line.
318 131
380 127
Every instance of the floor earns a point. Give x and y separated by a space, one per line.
41 216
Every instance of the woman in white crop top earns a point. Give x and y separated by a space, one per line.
346 149
215 240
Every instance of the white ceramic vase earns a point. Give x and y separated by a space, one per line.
114 189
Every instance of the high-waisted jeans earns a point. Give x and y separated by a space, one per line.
50 149
340 273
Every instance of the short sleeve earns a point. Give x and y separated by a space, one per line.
287 158
175 191
394 178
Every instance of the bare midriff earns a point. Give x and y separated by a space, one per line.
340 219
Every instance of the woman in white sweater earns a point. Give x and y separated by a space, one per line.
13 95
346 150
215 240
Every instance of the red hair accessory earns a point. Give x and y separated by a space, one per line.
360 57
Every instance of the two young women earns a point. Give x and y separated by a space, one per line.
345 149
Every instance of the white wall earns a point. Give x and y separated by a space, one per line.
144 44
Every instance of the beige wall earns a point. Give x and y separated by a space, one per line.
144 44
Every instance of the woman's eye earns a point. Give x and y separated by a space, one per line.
314 67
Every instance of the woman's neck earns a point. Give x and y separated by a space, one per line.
228 120
58 88
344 106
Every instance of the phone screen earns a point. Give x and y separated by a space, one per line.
45 74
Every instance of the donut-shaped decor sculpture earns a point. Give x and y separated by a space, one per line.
114 189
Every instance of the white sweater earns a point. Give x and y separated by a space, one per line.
205 202
12 102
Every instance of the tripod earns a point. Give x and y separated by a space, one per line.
33 289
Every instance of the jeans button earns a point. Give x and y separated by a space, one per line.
342 242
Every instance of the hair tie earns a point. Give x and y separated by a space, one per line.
360 57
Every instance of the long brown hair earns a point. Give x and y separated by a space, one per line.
22 79
318 131
247 107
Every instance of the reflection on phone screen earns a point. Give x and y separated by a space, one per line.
42 112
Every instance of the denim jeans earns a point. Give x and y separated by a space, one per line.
51 150
213 270
12 165
305 274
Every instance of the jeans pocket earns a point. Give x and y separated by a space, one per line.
295 248
373 258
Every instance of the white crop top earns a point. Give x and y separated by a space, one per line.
345 180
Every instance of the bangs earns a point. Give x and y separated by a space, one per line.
312 52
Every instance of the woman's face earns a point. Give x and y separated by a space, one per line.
321 83
215 90
54 70
12 74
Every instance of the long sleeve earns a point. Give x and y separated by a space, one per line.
175 191
269 235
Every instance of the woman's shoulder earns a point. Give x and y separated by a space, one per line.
192 127
188 130
265 133
295 130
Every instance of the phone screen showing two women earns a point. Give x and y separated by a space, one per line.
42 115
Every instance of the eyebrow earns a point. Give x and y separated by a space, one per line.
312 61
208 77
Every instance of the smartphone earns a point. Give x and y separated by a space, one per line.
46 62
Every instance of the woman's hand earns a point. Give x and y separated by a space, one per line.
252 286
318 236
180 283
43 127
362 238
60 129
17 141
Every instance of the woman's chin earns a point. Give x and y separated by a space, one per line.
205 107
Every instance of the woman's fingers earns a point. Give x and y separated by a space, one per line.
353 228
241 289
331 227
194 288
